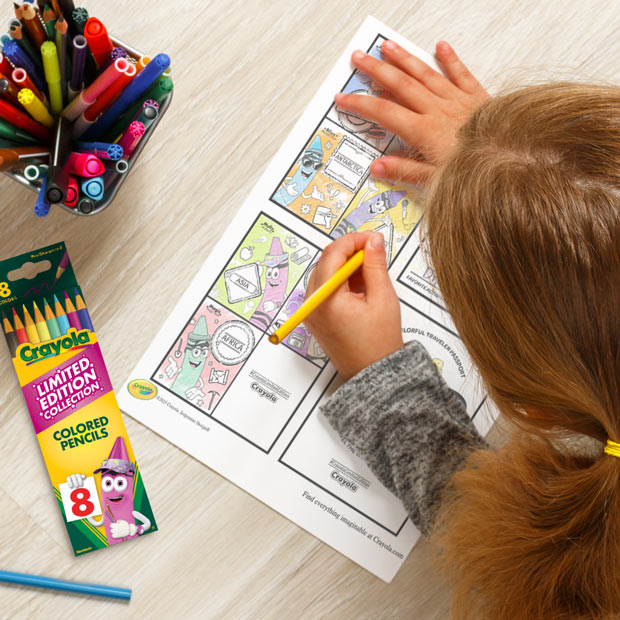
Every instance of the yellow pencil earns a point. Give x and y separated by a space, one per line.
318 297
40 324
31 330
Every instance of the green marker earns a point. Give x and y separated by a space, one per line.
52 76
13 134
80 17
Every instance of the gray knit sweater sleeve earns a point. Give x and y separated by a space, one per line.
409 426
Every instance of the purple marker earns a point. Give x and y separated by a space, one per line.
78 58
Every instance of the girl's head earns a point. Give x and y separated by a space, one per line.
524 232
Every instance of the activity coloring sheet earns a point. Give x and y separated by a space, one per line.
211 382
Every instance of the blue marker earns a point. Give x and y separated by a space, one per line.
137 87
19 58
93 187
105 150
42 207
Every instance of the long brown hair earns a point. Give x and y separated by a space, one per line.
524 232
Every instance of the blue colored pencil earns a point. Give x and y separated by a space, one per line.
52 583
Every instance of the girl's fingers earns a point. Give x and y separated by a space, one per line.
458 73
335 255
418 69
403 169
403 87
390 115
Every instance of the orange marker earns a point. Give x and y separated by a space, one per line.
31 330
20 331
9 332
40 324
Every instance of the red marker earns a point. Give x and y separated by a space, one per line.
85 165
23 80
5 66
108 97
23 121
73 192
98 41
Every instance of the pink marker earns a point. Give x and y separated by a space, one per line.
85 165
73 192
131 137
89 95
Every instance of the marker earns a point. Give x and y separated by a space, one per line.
61 317
51 66
19 58
93 188
5 66
58 177
31 330
86 206
148 114
85 165
20 330
35 107
80 17
23 121
50 319
67 8
31 172
78 58
131 137
98 40
40 324
42 206
142 62
10 132
72 315
9 157
21 79
82 311
65 586
49 19
16 32
62 267
9 333
103 150
73 192
318 297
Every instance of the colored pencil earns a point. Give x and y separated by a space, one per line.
72 315
62 266
49 19
33 25
61 317
40 324
318 297
31 330
50 319
82 311
51 583
61 28
20 330
9 333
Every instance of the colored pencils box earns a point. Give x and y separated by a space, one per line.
76 100
56 355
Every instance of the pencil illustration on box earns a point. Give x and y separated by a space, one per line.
68 84
57 358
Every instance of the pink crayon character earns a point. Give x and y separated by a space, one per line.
276 262
119 518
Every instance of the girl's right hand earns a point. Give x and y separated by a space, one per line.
423 107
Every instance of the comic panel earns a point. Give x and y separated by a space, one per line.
361 84
382 207
263 271
300 339
326 176
419 275
205 359
265 394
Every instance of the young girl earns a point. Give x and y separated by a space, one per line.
523 222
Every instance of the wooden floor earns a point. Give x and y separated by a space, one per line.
243 73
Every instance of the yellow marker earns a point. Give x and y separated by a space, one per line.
318 297
34 106
142 62
31 330
52 75
40 324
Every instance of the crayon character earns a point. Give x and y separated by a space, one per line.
367 210
299 338
276 281
309 164
119 518
189 383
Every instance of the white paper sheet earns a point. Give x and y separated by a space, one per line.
211 382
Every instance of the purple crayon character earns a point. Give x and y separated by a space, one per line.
367 210
276 281
119 518
299 338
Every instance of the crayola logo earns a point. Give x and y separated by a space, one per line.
142 389
70 340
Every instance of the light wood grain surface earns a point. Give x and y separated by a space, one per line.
243 73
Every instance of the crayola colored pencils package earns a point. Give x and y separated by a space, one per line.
81 433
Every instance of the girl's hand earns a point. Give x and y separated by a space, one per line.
423 107
360 323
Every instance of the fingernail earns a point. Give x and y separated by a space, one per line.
378 170
358 55
338 97
388 45
376 241
442 46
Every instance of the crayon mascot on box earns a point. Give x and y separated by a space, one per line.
119 518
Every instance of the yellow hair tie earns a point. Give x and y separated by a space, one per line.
612 448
